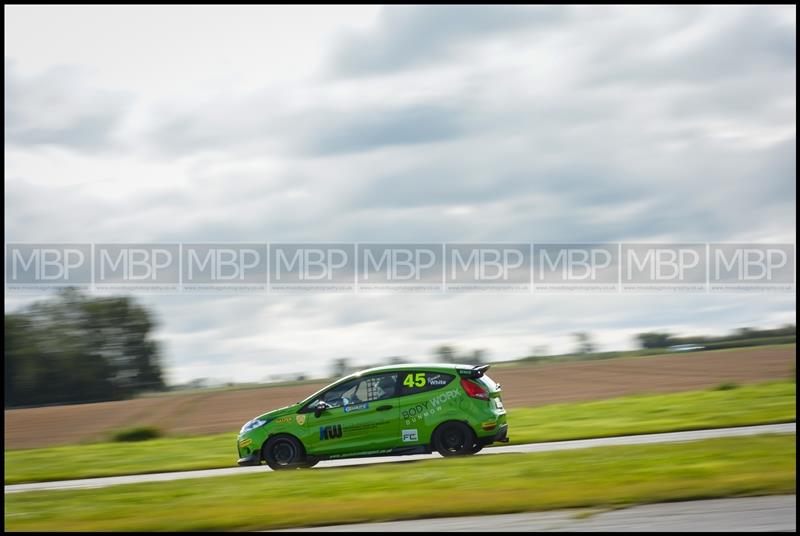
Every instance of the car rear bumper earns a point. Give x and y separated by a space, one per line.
253 459
501 436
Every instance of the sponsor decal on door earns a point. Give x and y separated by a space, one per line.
410 436
333 431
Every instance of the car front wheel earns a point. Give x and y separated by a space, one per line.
283 452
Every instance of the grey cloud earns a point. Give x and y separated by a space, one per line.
249 126
408 36
193 131
741 67
368 129
749 42
706 193
442 184
58 107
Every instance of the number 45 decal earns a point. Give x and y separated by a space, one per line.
415 380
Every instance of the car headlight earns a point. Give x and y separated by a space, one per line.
252 425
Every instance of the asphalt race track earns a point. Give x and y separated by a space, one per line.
788 428
776 513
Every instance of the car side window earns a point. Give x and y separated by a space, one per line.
341 394
413 382
378 387
360 390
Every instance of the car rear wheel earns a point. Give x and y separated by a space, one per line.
283 452
454 439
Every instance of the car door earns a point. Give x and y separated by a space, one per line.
362 416
427 398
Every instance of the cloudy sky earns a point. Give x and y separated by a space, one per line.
417 124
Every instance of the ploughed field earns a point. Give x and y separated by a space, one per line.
523 385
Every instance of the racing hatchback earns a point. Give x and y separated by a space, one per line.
392 410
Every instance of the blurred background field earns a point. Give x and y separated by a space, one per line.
524 385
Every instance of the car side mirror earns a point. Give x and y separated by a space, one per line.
320 409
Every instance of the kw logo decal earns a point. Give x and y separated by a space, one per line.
333 431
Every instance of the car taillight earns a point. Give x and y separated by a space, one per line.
474 390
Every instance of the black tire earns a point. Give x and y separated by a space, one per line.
454 439
477 448
308 464
283 452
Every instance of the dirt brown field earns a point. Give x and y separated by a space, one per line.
524 385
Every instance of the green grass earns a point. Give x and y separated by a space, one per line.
607 477
755 404
763 403
109 459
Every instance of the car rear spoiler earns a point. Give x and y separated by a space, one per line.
475 372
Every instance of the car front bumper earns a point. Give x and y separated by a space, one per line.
253 459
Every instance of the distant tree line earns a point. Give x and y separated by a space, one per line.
77 349
652 343
740 337
449 354
343 366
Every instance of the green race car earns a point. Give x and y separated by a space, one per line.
398 409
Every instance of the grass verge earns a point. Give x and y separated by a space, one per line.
502 483
764 403
754 404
